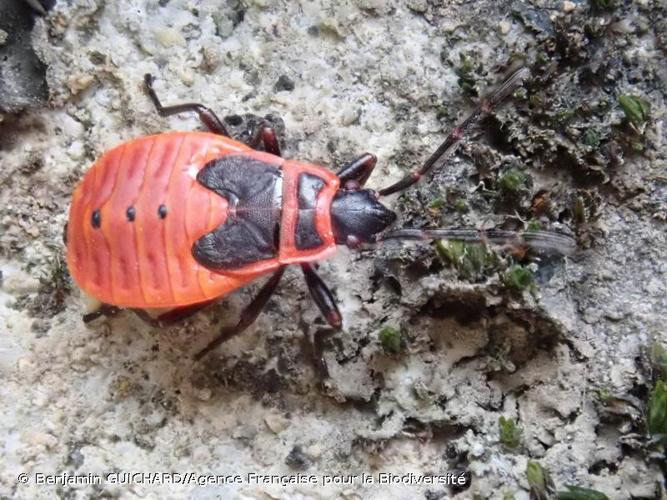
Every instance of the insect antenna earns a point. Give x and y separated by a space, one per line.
540 241
451 142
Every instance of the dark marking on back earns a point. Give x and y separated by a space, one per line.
306 236
162 211
309 187
131 213
96 219
254 192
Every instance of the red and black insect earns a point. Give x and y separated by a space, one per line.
181 219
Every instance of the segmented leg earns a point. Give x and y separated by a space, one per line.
267 135
541 241
206 115
322 296
174 316
248 315
314 350
37 6
358 170
103 310
486 105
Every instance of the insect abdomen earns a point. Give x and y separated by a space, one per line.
135 216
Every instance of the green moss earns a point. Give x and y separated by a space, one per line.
541 484
592 138
656 414
534 225
461 206
442 111
520 94
637 147
578 493
658 355
472 261
564 115
541 58
465 73
603 104
518 278
605 396
437 204
637 110
513 182
390 338
510 433
535 101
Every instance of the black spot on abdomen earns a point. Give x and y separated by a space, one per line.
96 219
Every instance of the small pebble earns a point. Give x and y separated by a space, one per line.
187 78
314 451
76 150
349 116
77 83
168 36
504 27
211 58
418 6
276 423
569 6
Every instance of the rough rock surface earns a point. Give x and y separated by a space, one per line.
566 359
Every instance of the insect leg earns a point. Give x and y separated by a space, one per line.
451 142
314 348
206 115
267 135
174 316
103 310
322 296
182 313
248 315
358 170
37 6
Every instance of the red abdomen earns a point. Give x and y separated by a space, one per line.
146 262
138 211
